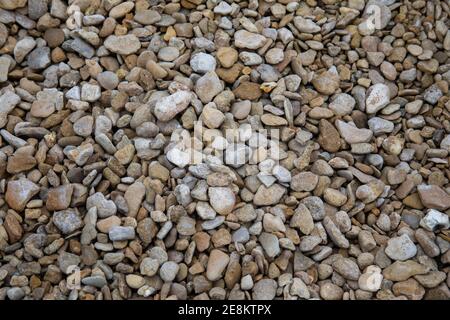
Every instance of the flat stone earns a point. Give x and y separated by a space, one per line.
67 220
434 197
401 248
19 192
217 263
124 45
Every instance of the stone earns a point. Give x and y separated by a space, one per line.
19 192
304 181
329 138
67 221
108 80
118 233
342 104
134 196
268 196
147 17
270 244
434 220
124 44
149 267
378 97
306 25
247 91
217 262
23 48
434 197
105 208
403 270
168 107
205 211
59 198
401 248
168 271
248 40
227 56
202 62
352 134
208 86
221 199
39 58
264 289
326 82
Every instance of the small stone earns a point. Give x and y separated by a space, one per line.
304 181
217 263
434 220
274 55
167 108
342 104
326 83
202 62
90 92
168 54
434 197
247 91
270 244
222 199
306 25
168 271
59 198
39 58
23 48
134 281
248 40
227 56
19 192
147 17
105 208
124 45
118 233
330 291
84 126
15 293
268 196
347 268
205 211
402 270
264 289
352 134
378 96
108 80
208 86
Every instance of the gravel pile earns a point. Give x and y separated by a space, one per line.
192 149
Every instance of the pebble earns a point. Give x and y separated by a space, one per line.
168 271
401 248
168 107
378 97
224 150
248 40
264 289
123 44
118 233
202 62
217 262
222 199
67 221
